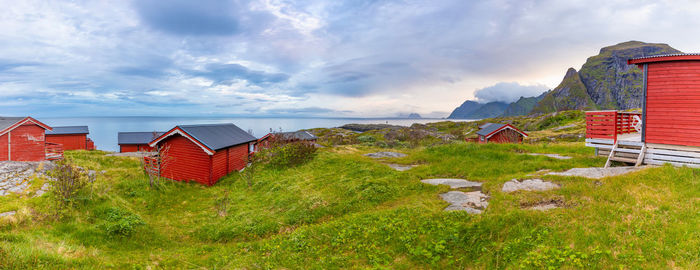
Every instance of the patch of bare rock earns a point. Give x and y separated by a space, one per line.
385 155
528 185
473 202
556 156
453 183
544 205
16 176
400 167
7 214
598 172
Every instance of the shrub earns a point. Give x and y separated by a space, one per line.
68 183
119 222
366 139
291 154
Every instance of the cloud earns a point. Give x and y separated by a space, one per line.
226 73
508 92
183 17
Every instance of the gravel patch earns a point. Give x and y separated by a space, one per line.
472 202
453 183
557 156
6 214
385 155
598 172
529 185
400 167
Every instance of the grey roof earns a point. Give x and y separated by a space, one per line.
137 137
218 136
489 128
485 125
664 55
68 130
296 135
6 122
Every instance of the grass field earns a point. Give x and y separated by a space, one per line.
344 210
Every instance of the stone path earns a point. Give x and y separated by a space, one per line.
453 183
15 177
557 156
400 167
598 172
385 155
472 202
529 185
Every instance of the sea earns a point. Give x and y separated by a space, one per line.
103 130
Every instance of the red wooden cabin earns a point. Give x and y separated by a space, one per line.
23 139
499 133
668 128
71 137
202 153
136 141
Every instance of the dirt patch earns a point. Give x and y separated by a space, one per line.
528 185
557 156
598 172
385 155
453 183
472 202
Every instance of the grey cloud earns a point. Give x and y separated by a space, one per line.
225 73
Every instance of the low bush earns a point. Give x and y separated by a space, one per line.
68 185
291 154
119 222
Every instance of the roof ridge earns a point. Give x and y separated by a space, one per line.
663 55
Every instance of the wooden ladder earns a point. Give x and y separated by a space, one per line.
611 155
628 154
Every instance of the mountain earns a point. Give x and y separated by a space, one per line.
571 94
605 81
523 106
474 110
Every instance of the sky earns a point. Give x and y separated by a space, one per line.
354 58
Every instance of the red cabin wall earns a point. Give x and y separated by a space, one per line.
219 165
238 157
27 143
673 103
506 136
185 161
125 148
3 147
69 141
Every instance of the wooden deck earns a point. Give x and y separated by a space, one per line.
629 148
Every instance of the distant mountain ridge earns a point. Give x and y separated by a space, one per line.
605 81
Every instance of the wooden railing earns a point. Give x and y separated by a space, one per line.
151 165
610 124
53 151
90 144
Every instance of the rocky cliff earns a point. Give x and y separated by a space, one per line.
474 110
605 81
523 106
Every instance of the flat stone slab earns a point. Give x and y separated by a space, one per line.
453 183
598 172
400 167
544 207
385 155
473 202
557 156
529 185
11 213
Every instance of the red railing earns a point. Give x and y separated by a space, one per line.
90 144
151 165
610 124
53 151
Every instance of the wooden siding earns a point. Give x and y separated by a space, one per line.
238 157
125 148
185 161
673 103
219 165
506 136
27 143
69 141
3 147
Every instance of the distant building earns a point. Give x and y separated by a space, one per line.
499 133
285 137
136 141
24 139
203 153
71 137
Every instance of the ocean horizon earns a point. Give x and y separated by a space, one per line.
104 129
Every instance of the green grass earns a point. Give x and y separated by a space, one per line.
344 210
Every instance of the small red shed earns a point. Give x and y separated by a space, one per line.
203 153
285 137
136 141
23 139
500 133
71 137
671 105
